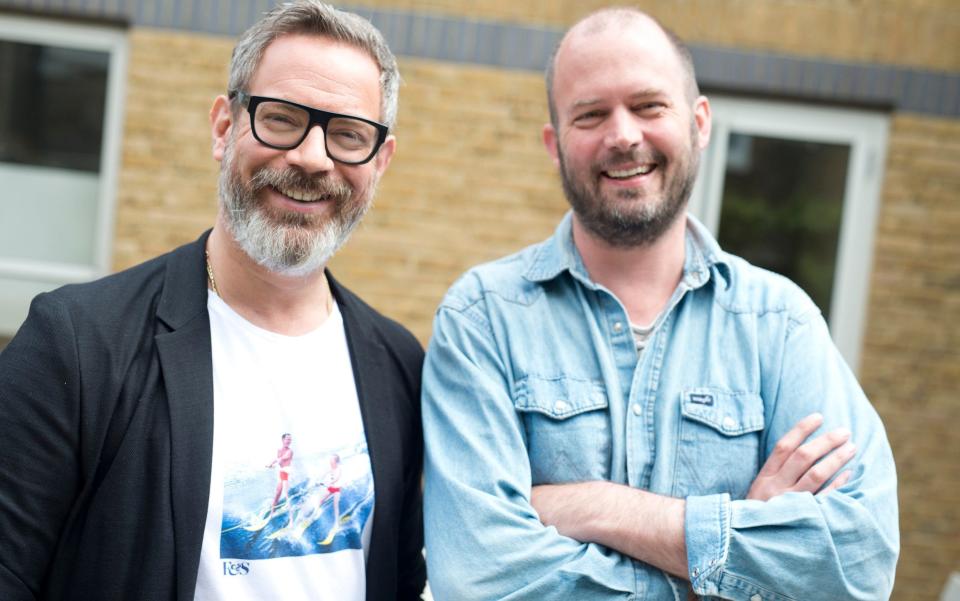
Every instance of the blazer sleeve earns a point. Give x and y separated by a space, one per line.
39 457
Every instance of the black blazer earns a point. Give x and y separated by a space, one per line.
106 433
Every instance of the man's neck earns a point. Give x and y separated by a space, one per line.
289 305
642 277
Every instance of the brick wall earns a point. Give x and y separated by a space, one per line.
471 182
167 186
911 357
896 32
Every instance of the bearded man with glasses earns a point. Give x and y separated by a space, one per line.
158 391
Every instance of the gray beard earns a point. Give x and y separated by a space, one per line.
637 224
290 244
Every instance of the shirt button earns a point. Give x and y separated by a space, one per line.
729 424
637 409
560 406
618 327
756 598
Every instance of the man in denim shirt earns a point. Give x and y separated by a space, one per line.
624 411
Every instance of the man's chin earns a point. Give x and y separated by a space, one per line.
315 260
624 225
293 243
284 248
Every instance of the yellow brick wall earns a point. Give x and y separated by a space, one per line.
167 185
471 182
920 33
911 356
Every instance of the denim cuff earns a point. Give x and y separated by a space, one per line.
707 533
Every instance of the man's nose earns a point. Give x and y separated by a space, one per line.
625 130
311 155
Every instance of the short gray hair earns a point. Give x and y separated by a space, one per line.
311 17
606 17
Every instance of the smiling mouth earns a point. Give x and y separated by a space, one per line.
301 195
632 172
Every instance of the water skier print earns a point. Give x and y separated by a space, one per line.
283 461
321 501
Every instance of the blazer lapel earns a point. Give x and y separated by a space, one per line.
367 358
186 361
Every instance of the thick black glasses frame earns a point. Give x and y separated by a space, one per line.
317 117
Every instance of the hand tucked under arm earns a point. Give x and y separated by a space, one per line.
650 527
793 465
637 523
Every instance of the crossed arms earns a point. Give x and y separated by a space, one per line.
492 535
650 527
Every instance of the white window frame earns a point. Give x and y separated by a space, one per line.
866 134
113 41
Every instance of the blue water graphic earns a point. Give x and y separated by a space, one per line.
249 531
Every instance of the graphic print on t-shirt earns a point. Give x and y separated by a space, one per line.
307 500
290 505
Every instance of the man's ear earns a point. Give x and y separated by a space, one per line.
703 117
221 124
550 141
385 154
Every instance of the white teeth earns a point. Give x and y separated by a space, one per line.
641 170
300 195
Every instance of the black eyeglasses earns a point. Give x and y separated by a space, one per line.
284 125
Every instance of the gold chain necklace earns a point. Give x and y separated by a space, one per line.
213 283
210 278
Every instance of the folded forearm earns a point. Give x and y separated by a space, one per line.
637 523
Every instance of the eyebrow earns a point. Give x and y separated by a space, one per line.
645 93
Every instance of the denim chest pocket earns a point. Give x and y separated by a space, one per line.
567 427
718 449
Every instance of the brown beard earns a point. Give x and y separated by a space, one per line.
645 224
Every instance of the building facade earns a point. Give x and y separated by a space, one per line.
835 159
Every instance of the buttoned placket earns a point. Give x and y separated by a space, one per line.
644 381
633 394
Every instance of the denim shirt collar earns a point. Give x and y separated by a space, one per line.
559 254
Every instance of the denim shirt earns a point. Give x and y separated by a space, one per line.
533 377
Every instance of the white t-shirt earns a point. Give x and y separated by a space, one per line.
287 426
642 335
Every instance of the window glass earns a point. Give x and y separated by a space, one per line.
782 207
52 105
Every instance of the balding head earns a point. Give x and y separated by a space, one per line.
619 21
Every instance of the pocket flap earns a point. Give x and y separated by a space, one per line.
559 398
728 412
